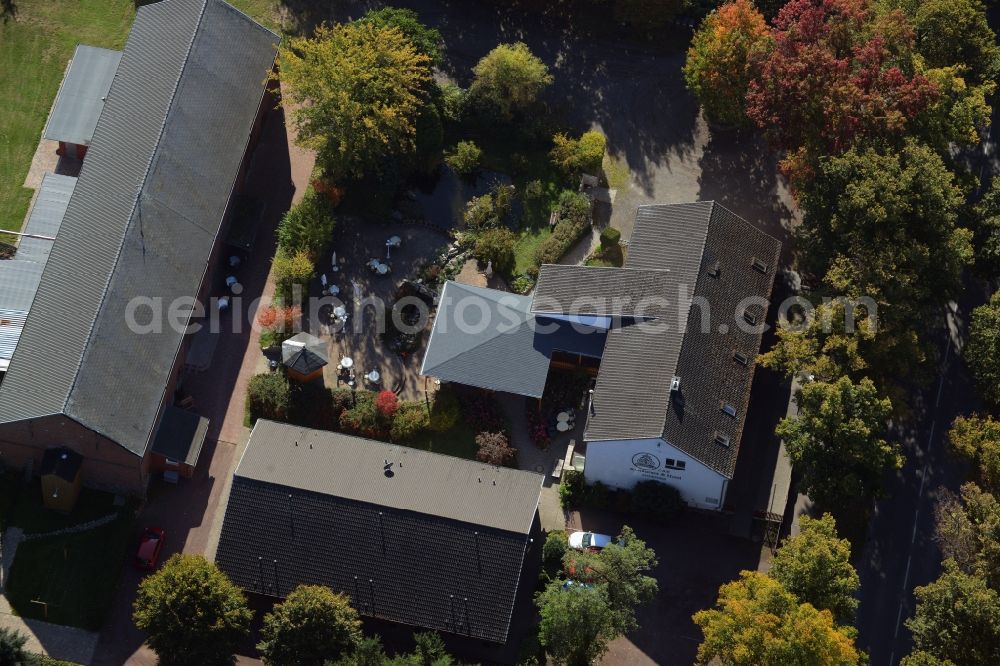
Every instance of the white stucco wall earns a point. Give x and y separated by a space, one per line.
623 463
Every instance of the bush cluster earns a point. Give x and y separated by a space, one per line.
656 500
574 221
496 246
495 449
268 397
465 159
579 156
307 226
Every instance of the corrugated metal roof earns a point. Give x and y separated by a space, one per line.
46 216
81 97
143 218
20 276
488 338
588 290
353 468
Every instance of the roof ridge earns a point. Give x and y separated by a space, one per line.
138 192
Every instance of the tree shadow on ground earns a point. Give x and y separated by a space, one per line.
633 90
739 171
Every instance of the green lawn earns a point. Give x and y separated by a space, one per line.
70 579
28 513
34 51
459 441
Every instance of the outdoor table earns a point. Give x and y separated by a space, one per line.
562 416
230 281
562 426
339 311
373 376
334 289
382 269
394 241
346 362
234 261
223 303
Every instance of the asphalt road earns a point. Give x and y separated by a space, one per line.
900 553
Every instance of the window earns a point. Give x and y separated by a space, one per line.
722 439
675 464
741 358
715 269
759 266
749 318
729 410
669 462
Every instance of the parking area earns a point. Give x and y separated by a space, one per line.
696 555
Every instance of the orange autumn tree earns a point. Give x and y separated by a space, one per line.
725 55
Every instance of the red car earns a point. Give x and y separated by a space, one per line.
150 546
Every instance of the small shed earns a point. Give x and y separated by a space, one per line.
81 99
178 442
305 356
61 478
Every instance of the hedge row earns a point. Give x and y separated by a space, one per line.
574 217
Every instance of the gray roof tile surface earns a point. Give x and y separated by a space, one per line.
435 545
489 338
621 292
143 219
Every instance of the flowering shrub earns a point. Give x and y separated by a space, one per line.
536 428
495 449
387 403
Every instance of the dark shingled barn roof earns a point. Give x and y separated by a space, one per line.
143 219
412 537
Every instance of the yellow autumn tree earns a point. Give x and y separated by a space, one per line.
354 91
757 622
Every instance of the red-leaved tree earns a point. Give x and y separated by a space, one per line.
387 402
838 73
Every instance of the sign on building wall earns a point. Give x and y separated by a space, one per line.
650 466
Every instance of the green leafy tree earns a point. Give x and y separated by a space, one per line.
292 269
496 245
757 621
982 351
355 92
465 159
957 618
623 566
12 652
426 40
815 566
960 114
269 396
307 226
577 156
577 623
724 57
882 225
192 613
967 529
921 658
955 32
986 229
977 439
509 79
310 626
837 440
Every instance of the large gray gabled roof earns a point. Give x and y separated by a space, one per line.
143 219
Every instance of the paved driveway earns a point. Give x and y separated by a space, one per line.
696 555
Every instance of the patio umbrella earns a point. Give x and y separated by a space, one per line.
304 354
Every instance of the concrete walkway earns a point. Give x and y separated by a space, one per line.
45 638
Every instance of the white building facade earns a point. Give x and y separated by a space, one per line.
622 463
